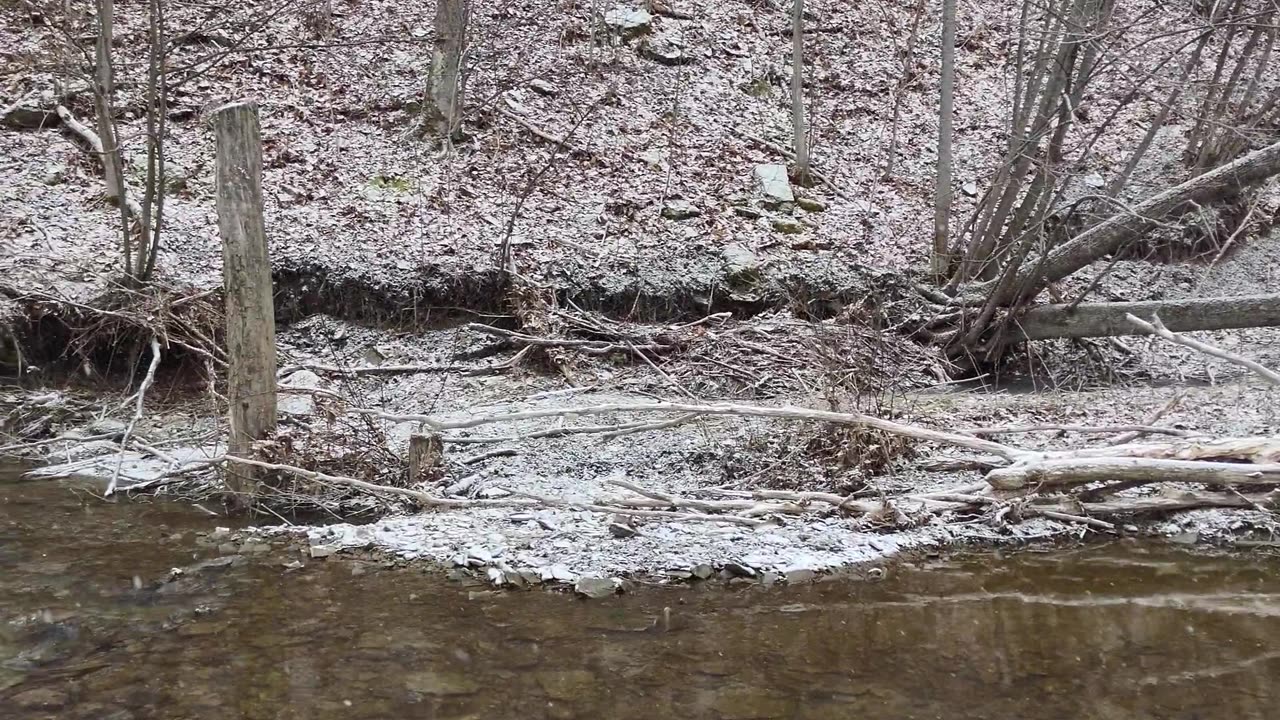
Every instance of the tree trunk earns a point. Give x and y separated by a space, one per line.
246 271
444 81
1109 236
946 104
105 88
799 127
1108 319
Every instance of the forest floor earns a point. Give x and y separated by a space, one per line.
384 246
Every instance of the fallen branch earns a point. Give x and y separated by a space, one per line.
543 134
785 412
1065 472
1151 420
606 431
592 347
95 144
141 397
1084 429
1156 327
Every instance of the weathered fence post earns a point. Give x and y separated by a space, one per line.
246 273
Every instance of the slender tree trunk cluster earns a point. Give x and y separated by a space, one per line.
445 82
1023 236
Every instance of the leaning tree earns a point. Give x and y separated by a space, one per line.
1038 224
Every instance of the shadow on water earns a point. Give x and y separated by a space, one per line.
1114 632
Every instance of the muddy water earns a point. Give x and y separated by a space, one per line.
1115 632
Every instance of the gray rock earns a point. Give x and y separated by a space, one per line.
739 570
680 210
773 183
106 426
788 225
666 51
628 22
595 588
1094 180
748 212
702 571
54 174
970 188
299 403
542 87
228 548
738 258
254 548
768 579
811 205
622 530
321 551
175 178
800 575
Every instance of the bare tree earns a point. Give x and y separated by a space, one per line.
946 105
799 126
444 80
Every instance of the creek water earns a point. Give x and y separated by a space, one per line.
93 625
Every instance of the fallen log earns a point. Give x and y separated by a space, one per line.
1066 472
1109 319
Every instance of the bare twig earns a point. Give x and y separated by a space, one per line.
1155 327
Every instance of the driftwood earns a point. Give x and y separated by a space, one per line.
1112 319
1157 327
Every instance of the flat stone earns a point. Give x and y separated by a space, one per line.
321 551
254 548
800 575
970 188
680 210
665 51
748 212
702 571
542 87
628 21
595 588
739 570
788 226
432 682
620 530
773 183
810 205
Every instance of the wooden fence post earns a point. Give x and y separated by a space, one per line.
246 273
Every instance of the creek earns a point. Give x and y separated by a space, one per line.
94 623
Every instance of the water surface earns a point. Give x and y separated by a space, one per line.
90 628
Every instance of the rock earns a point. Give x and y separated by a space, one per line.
595 588
773 183
175 178
321 551
666 51
739 570
680 575
1190 537
1094 180
739 259
800 575
228 548
558 572
358 569
811 205
106 426
299 403
542 87
788 225
628 22
566 684
769 579
478 556
441 683
254 548
748 212
54 174
970 188
680 210
621 530
702 571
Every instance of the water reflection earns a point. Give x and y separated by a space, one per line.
1119 632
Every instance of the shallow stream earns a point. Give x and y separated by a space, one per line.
92 626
